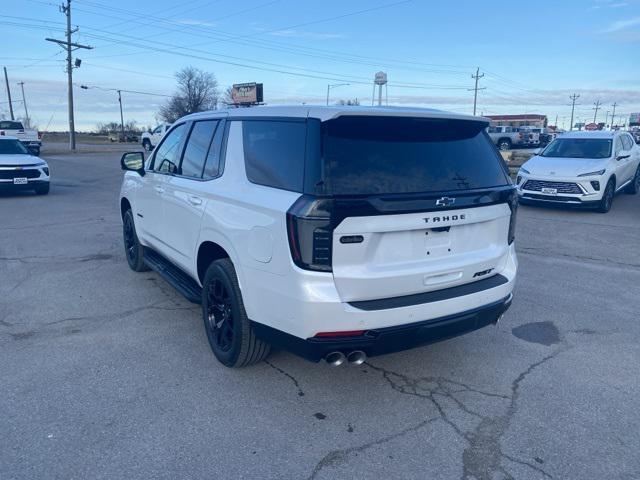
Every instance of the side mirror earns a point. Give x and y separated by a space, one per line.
133 162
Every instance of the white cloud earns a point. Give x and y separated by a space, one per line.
197 23
620 25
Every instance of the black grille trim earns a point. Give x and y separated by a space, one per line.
11 174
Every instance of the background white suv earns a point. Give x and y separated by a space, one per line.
332 232
582 169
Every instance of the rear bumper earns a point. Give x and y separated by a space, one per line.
380 341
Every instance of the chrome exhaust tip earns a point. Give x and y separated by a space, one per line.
357 357
335 359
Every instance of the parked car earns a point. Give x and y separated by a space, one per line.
582 169
128 137
19 169
505 138
150 139
542 136
30 138
323 230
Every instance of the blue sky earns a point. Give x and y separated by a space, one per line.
533 54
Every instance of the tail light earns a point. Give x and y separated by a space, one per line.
513 206
39 135
310 233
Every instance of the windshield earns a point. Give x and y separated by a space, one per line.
12 147
389 155
578 148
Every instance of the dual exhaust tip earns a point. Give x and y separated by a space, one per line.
335 359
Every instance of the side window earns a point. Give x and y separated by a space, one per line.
626 142
212 168
274 152
618 146
167 154
157 129
195 153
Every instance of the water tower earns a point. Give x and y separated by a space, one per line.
380 79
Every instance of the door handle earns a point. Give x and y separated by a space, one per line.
193 200
159 189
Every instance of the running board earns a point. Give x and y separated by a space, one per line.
182 282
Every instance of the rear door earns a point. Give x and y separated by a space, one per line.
422 202
186 192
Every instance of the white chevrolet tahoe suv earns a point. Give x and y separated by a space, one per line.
582 169
331 232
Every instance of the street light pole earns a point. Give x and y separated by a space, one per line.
24 102
121 117
329 87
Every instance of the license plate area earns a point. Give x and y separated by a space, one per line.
20 181
549 191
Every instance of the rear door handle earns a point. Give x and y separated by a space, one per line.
159 189
195 200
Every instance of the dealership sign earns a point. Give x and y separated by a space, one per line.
247 93
591 126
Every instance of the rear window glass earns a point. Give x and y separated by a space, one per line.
274 152
578 148
387 155
7 125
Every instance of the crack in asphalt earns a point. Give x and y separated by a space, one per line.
601 260
336 457
483 456
288 375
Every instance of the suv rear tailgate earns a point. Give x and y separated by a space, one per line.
413 253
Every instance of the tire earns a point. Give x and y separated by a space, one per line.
634 186
504 144
228 328
42 189
146 144
36 151
607 197
132 248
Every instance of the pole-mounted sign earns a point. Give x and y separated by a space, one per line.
247 94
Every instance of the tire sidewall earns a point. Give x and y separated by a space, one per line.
608 191
133 262
230 357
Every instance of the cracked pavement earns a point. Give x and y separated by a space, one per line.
107 373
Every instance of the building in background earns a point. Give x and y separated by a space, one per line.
525 119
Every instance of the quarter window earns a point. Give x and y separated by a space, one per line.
274 152
195 153
212 168
167 155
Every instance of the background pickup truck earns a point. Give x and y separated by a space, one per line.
29 138
507 137
151 138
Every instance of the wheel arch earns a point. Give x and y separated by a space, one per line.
125 205
209 252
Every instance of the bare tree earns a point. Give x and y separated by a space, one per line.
354 102
197 91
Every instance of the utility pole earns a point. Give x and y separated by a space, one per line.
606 119
596 108
24 102
613 114
6 79
477 77
556 124
573 98
70 47
121 117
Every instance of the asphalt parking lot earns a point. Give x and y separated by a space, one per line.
106 373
